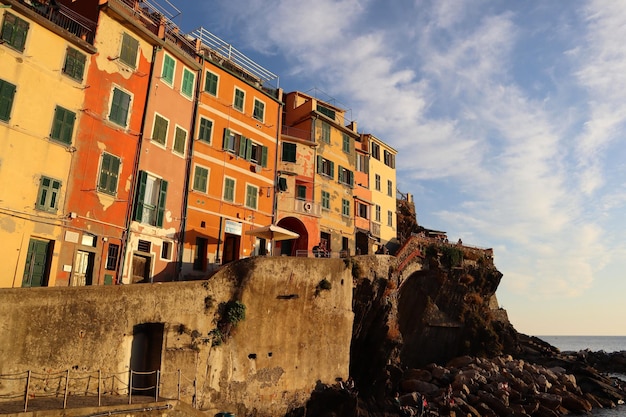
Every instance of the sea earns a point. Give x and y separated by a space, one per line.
593 343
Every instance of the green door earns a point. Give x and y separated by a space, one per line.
36 269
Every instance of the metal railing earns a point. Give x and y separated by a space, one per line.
63 17
66 384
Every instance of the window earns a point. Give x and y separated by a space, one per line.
14 31
325 167
120 105
180 139
189 79
231 141
48 196
112 255
389 188
362 210
63 125
346 143
150 200
345 176
389 159
239 99
376 151
109 174
159 129
326 200
325 132
345 207
326 111
362 163
389 218
229 189
301 192
377 182
200 179
210 83
377 213
166 250
128 53
245 148
74 65
289 152
167 73
252 193
7 92
259 110
206 130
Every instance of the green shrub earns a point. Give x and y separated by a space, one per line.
235 312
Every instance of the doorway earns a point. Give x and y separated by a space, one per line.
37 268
141 268
83 269
145 357
231 248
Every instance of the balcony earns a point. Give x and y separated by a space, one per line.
297 133
63 17
308 207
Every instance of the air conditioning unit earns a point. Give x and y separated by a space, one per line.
307 207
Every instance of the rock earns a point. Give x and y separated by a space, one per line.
460 362
494 403
575 404
411 385
419 374
549 401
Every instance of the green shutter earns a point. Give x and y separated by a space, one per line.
104 170
7 92
340 174
141 191
243 147
226 139
264 151
162 198
168 69
351 178
332 169
320 160
113 174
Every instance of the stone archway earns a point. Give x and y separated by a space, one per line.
296 246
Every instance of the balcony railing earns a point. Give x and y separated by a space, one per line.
297 133
63 17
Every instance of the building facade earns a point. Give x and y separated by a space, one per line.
42 91
382 177
233 170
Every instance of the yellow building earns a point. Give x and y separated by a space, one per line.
41 94
382 172
335 166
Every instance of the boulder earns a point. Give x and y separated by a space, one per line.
575 404
419 374
549 401
411 385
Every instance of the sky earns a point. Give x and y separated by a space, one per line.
509 119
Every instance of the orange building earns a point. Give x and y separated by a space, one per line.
365 230
234 158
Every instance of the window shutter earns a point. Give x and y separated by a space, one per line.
264 156
114 173
161 208
243 144
340 172
7 92
248 149
351 178
332 169
104 170
319 164
141 191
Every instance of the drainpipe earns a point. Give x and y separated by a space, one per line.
183 223
279 119
133 183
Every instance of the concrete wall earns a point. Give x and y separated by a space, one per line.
294 334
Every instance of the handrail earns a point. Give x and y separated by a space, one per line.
66 384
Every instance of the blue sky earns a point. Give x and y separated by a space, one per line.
508 116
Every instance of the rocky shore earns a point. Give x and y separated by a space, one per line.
503 386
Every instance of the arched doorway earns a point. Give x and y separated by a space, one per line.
295 246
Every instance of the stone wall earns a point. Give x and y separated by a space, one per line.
295 333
